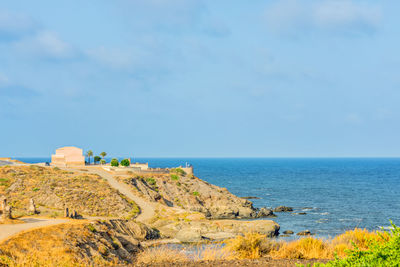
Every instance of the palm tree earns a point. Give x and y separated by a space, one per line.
103 154
89 154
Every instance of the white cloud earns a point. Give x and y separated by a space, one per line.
333 16
46 44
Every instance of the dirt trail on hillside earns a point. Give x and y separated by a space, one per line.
8 230
146 208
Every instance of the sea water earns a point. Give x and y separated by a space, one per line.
336 194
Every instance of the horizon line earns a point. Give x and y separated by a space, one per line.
239 157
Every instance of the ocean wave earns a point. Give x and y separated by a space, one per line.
386 227
350 219
308 208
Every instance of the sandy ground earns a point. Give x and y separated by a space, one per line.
8 230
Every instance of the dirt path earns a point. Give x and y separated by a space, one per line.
8 230
146 208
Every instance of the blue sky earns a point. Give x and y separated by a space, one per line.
193 78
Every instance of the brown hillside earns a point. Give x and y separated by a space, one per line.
100 243
53 189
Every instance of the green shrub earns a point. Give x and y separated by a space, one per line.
114 162
56 168
151 181
125 162
102 161
174 177
195 193
35 189
91 228
96 159
378 254
179 171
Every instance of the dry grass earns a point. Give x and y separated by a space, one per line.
161 255
253 246
249 246
359 237
52 188
77 243
158 255
304 248
214 252
31 249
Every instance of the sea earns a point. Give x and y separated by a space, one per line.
336 194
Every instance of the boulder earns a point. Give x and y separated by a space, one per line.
264 212
283 209
305 232
188 236
288 232
250 197
218 236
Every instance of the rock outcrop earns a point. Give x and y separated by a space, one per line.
195 231
305 232
264 212
193 194
283 209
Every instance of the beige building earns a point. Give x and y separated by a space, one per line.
68 156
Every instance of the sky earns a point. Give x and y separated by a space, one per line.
194 78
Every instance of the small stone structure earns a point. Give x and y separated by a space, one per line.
68 156
7 210
141 166
3 203
71 214
187 169
32 208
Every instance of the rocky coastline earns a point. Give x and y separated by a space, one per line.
187 209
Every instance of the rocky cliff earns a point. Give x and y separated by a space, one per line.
193 194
